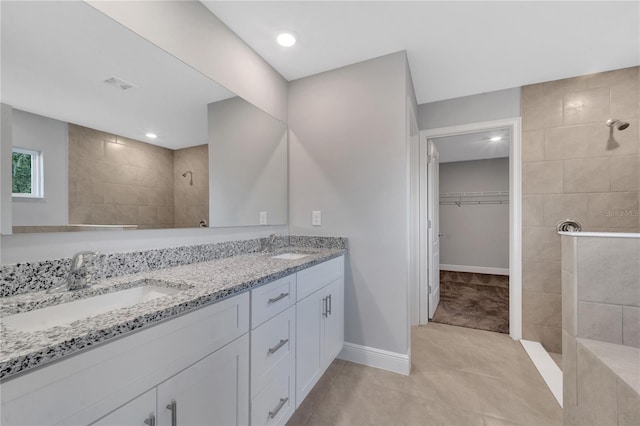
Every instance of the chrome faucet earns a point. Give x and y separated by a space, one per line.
268 244
81 272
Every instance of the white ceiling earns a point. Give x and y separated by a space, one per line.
56 55
455 48
473 146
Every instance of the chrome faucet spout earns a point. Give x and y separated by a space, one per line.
80 273
268 244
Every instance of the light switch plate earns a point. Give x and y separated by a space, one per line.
316 218
263 218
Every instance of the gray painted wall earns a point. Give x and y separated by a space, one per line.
191 33
248 165
475 235
348 158
470 109
50 137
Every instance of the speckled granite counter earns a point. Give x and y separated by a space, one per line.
199 284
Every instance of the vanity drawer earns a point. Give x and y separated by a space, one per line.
273 349
316 277
275 404
271 299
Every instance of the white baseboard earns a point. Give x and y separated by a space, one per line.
476 269
548 369
378 358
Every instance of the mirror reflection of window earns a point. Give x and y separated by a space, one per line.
26 173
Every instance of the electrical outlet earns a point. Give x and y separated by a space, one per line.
263 218
316 218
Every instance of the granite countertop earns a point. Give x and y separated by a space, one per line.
198 284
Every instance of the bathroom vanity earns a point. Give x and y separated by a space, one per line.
237 340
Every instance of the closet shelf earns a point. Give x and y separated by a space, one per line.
469 198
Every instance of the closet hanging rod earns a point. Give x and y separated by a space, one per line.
474 194
459 203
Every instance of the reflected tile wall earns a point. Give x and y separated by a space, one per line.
118 181
568 172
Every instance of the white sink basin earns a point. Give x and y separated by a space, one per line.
290 256
66 313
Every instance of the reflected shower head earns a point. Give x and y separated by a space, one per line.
620 125
190 173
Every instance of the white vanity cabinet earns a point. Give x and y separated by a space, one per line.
319 322
214 391
211 342
132 413
248 359
273 348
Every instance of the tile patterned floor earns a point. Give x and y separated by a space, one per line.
459 376
474 300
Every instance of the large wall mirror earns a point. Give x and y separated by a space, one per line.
111 132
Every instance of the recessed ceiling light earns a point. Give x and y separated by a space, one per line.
496 138
151 135
286 39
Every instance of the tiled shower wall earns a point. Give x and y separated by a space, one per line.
568 172
191 202
116 181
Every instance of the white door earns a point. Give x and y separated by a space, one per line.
213 391
433 209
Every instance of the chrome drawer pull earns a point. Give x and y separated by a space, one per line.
275 412
174 412
151 420
275 299
329 310
324 306
278 346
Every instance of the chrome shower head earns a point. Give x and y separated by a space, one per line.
620 125
190 173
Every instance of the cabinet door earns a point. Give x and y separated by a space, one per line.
309 359
334 321
133 413
213 391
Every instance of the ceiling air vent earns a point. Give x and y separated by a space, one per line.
119 83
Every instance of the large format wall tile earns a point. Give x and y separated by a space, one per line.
609 270
568 160
586 175
598 321
597 390
541 275
544 177
631 326
117 181
586 106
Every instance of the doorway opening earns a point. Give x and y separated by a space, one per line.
470 227
472 188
